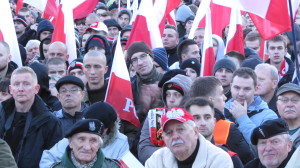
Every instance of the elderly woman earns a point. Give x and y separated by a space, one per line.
84 147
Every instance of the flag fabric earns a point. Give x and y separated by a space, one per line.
84 8
129 161
48 7
235 39
119 92
162 9
208 58
145 27
8 33
19 6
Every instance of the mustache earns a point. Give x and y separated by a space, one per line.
290 109
178 141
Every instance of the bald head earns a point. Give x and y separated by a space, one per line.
58 49
4 55
94 54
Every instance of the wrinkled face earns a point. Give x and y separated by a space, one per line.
142 63
219 98
170 38
198 37
4 57
79 74
85 146
225 76
255 45
113 32
44 34
288 105
19 27
59 69
242 89
276 51
193 52
180 138
204 119
94 69
274 150
23 88
32 51
265 83
70 96
190 72
173 98
124 20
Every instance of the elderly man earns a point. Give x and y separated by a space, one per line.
84 147
288 105
273 144
185 147
26 123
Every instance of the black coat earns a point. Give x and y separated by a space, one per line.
43 131
236 141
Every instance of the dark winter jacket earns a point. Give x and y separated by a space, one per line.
42 130
29 34
172 56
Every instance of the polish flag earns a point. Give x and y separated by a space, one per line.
48 7
8 33
235 39
83 8
271 17
208 58
19 6
162 9
145 27
119 93
64 29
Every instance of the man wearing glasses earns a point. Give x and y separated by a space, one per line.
288 105
70 94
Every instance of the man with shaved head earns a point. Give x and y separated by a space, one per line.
6 66
58 49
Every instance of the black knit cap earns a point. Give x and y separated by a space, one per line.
224 63
96 42
191 63
138 46
269 129
92 126
69 80
103 112
112 23
170 74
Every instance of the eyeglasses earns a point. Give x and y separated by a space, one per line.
73 91
285 100
142 57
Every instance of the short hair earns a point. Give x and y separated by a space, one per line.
235 54
102 7
183 47
56 61
204 86
198 101
4 85
93 16
6 46
168 26
31 43
252 36
25 69
80 21
94 53
272 69
246 73
24 9
278 38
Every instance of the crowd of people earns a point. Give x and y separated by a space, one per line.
53 114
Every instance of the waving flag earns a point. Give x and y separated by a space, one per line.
119 93
145 27
208 58
235 39
8 33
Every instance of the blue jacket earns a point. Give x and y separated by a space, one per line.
258 112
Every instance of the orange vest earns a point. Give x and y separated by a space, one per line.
221 131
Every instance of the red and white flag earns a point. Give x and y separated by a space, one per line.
235 39
208 59
119 93
129 161
64 29
83 7
162 9
145 27
8 33
48 7
19 6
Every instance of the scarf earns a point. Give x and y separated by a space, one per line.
78 165
154 116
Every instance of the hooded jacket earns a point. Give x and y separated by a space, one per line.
42 56
44 92
145 147
44 25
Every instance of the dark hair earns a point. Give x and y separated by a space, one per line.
278 38
247 73
204 86
235 54
4 85
55 61
198 101
252 36
183 47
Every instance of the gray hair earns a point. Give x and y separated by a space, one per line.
271 68
31 43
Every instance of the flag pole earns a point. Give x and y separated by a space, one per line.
294 42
